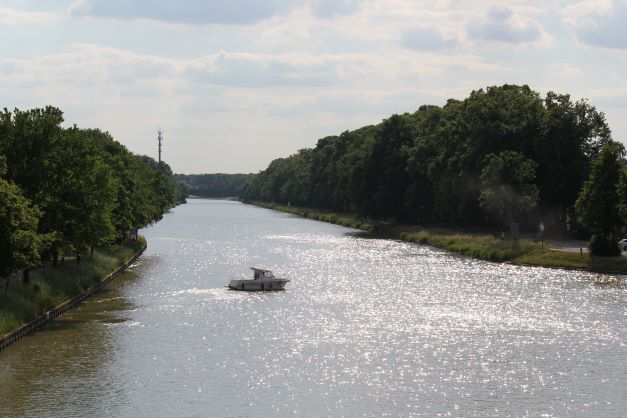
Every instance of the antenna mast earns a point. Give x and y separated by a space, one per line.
160 138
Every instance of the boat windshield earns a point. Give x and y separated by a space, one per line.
261 274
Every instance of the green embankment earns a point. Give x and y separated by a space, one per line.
476 245
484 246
349 221
49 287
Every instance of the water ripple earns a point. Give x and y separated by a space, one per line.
366 327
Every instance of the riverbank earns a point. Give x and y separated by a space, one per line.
348 221
50 287
477 244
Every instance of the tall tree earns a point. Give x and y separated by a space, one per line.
572 135
600 206
386 177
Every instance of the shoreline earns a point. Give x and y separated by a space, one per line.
481 245
23 330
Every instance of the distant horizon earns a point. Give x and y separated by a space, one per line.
234 85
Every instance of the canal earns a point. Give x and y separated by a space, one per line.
366 327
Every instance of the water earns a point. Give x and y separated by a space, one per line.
367 327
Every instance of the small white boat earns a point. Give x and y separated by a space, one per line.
262 280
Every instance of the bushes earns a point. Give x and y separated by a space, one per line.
606 245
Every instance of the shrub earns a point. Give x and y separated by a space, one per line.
604 245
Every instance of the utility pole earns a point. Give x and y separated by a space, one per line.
160 138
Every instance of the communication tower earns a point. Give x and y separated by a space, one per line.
160 138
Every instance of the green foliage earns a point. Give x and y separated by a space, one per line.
81 193
20 303
601 203
572 135
507 187
604 245
76 187
427 166
214 185
19 241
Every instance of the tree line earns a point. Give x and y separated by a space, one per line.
213 185
66 190
503 154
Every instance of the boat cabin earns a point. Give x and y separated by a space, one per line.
261 273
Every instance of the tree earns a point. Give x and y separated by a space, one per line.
572 135
507 185
26 140
386 177
81 194
601 203
427 166
19 241
88 189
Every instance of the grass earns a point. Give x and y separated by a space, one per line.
49 287
552 258
527 252
349 221
480 245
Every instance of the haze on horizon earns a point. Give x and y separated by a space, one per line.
235 84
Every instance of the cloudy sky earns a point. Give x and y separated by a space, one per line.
236 83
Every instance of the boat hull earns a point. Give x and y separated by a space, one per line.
258 285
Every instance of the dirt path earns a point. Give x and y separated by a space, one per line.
568 246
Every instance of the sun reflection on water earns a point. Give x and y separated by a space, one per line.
365 327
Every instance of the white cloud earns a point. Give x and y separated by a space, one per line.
599 23
228 12
330 8
426 39
14 17
194 11
89 64
294 71
84 65
566 70
306 94
501 24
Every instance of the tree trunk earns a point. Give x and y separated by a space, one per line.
26 276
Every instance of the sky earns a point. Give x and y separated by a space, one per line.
234 84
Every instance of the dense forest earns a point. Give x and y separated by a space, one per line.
66 190
502 154
213 185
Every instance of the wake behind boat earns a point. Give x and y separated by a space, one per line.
262 280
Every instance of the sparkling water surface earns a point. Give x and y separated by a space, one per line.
366 327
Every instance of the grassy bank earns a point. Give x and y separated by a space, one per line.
576 261
528 252
480 245
48 286
346 220
476 245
